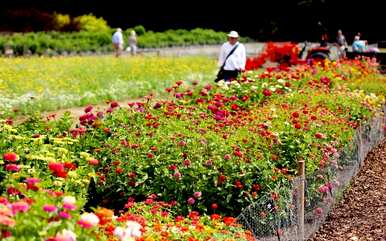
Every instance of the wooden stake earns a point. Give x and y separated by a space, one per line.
301 199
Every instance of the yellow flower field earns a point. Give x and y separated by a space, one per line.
44 83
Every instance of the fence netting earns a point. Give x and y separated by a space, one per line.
270 220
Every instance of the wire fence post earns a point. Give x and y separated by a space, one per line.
301 199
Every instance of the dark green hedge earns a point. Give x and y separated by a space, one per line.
76 42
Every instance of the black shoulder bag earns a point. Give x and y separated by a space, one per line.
220 74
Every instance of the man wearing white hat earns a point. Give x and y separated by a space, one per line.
232 58
117 40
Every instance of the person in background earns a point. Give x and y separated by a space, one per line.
117 40
324 40
133 42
232 57
359 45
342 43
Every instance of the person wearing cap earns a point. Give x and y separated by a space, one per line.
233 64
118 42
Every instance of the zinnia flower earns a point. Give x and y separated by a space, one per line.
10 156
131 231
64 215
191 201
197 194
88 109
65 235
69 203
49 208
19 206
88 220
12 167
56 167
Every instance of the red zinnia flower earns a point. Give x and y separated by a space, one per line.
88 109
229 220
267 92
56 167
319 135
295 114
10 156
214 206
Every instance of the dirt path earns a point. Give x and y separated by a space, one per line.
361 214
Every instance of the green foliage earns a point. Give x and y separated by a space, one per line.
140 30
91 23
96 36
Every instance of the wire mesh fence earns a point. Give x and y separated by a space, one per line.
292 219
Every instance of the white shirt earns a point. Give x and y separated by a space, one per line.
117 38
236 61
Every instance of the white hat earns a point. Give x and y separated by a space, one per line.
119 30
233 34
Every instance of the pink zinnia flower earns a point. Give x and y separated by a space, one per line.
19 206
32 180
64 215
49 208
191 201
197 194
12 167
69 203
10 156
88 220
323 189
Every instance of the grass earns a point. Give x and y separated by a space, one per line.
46 84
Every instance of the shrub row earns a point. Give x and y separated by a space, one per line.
83 41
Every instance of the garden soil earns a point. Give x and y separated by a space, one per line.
361 214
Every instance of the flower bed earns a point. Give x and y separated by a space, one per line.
211 150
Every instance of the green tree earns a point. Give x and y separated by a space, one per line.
91 23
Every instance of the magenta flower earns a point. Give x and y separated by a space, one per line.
323 189
12 167
19 206
64 215
88 109
191 201
49 208
32 180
